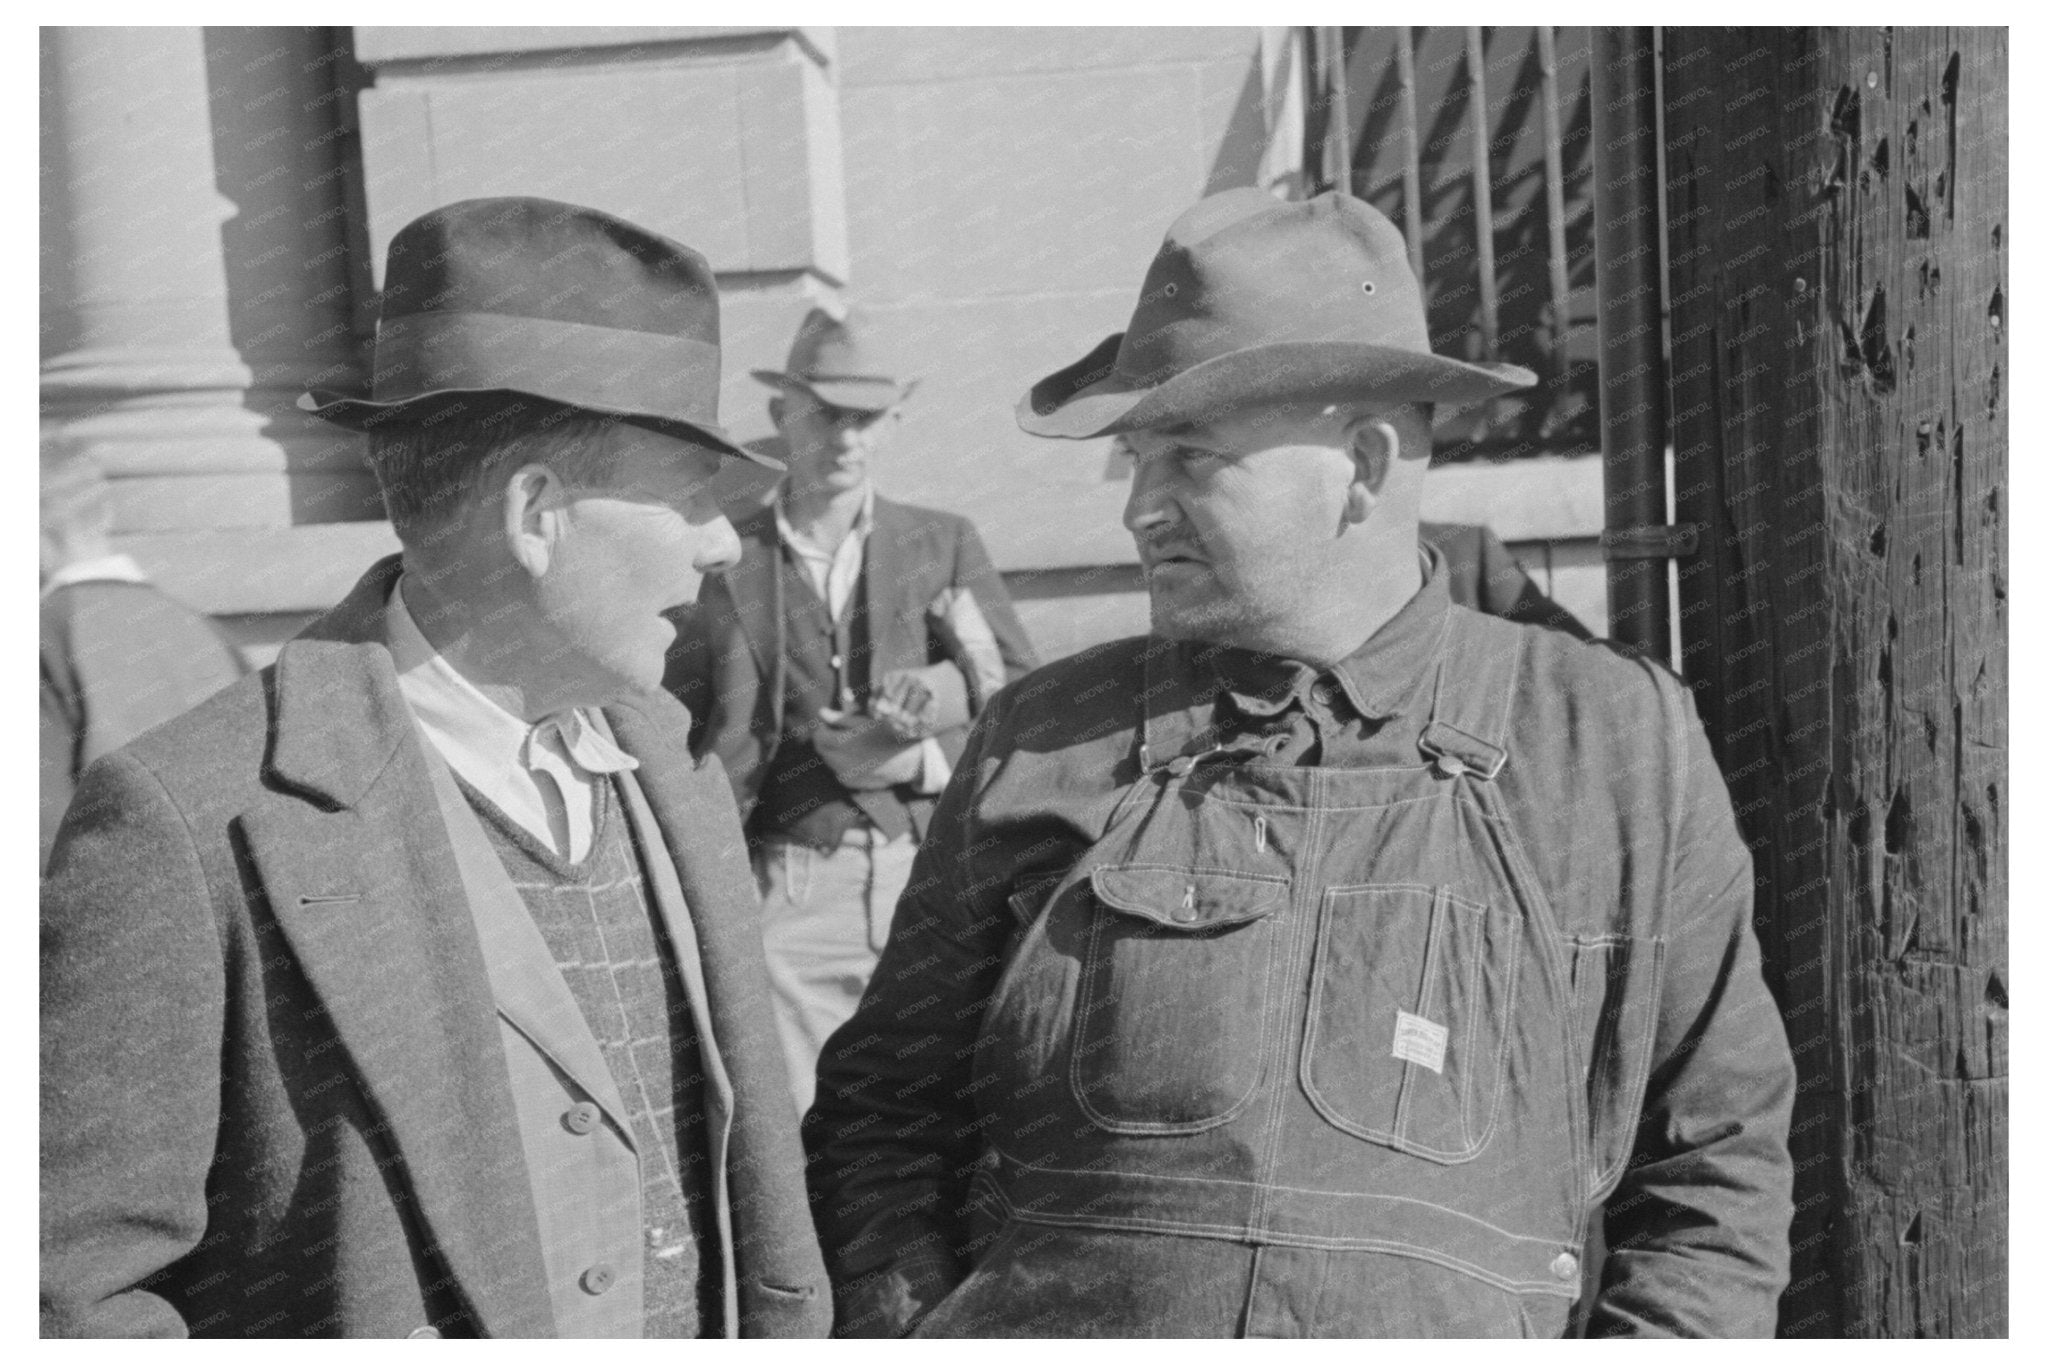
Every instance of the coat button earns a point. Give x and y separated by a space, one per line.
1566 1266
581 1119
598 1278
1450 765
423 1334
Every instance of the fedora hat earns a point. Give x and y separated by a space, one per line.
1252 300
834 359
521 296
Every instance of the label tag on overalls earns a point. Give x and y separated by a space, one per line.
1418 1040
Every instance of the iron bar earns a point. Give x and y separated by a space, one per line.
1628 247
1411 151
1336 78
1482 194
1553 203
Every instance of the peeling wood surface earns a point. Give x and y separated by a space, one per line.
1837 209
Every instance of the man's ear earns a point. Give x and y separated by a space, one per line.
535 503
1374 445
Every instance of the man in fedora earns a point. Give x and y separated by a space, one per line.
413 987
834 671
1327 962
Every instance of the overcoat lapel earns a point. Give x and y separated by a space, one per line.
526 983
365 888
693 807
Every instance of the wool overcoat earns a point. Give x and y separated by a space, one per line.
274 1097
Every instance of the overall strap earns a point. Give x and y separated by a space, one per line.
1474 692
1166 744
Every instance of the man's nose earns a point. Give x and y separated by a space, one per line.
719 550
1148 512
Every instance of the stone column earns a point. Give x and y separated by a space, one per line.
195 272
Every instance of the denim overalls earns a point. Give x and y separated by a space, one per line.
1313 1025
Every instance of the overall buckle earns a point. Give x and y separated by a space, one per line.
1455 751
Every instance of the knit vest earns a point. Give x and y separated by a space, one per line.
825 663
597 919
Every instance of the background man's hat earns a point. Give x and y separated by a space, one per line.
1251 301
549 300
835 360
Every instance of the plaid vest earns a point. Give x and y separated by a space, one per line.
598 922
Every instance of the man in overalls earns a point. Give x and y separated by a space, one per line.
1325 963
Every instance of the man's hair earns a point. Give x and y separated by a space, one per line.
432 469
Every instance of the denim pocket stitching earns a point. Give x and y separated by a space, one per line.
1391 1136
1091 970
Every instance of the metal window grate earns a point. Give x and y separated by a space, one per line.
1478 142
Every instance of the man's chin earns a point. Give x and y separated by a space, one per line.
1175 618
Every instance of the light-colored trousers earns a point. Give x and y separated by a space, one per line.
824 920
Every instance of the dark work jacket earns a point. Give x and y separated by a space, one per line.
1483 574
729 663
275 1101
1652 1028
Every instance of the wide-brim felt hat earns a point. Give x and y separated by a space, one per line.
536 298
1253 301
834 359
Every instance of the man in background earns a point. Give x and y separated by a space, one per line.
119 655
834 671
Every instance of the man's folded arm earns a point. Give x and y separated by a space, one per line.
975 573
133 992
892 1138
1697 1229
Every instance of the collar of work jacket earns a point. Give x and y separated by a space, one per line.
1379 679
369 897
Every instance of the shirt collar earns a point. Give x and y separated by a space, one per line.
99 569
863 522
1378 678
464 722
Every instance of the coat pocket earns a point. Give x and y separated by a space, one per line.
1171 1016
1410 1002
1615 982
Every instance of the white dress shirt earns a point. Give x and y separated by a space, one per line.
834 573
543 775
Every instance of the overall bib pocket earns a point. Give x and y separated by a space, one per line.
1410 1001
1170 1021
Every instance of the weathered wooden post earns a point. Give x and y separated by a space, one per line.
1837 212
